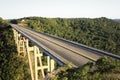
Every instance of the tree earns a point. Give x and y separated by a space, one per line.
14 21
12 67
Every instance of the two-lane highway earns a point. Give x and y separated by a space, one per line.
62 50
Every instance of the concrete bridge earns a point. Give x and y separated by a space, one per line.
53 49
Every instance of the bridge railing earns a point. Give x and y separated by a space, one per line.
42 49
97 51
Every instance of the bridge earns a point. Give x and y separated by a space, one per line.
53 49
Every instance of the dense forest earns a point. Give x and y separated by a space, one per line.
101 33
12 67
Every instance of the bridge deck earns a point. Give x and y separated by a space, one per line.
66 52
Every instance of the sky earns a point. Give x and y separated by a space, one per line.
12 9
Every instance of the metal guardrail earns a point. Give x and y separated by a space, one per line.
45 51
80 45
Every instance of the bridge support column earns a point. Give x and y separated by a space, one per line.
39 68
29 49
20 42
52 65
21 47
15 36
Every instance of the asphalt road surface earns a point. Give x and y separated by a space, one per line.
65 51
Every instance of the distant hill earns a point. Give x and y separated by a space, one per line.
117 20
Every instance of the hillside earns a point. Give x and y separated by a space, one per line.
12 67
103 69
101 33
117 20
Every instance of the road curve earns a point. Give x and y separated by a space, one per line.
64 51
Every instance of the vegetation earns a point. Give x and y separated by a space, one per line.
117 20
101 33
14 21
12 67
103 69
